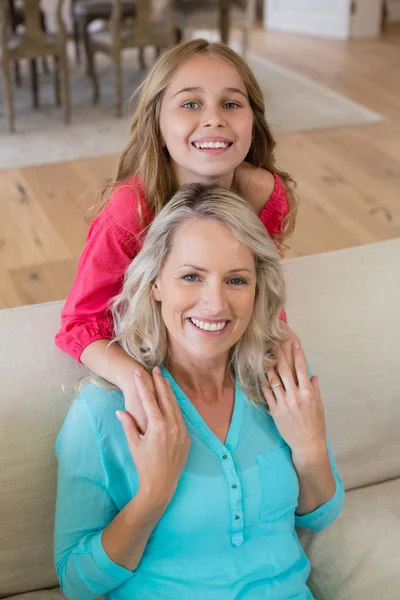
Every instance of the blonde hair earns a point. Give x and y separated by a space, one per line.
144 155
139 326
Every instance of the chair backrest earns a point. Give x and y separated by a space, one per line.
153 23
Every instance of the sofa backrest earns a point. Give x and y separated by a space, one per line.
344 305
32 408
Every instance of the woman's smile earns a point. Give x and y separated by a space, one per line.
209 327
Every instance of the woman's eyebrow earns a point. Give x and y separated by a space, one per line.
237 270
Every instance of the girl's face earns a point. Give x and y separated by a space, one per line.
207 289
206 121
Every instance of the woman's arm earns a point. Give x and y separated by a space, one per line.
321 497
316 480
96 546
296 407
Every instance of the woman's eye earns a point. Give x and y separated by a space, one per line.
190 277
191 105
231 105
237 281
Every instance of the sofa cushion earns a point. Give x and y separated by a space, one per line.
53 594
344 305
32 409
358 557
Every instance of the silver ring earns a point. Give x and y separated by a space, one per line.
276 385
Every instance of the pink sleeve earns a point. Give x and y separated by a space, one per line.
107 254
273 213
275 209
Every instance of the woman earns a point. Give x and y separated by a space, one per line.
203 505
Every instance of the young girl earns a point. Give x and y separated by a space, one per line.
200 118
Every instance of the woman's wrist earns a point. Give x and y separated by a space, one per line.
311 457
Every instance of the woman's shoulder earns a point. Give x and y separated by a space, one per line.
96 404
128 206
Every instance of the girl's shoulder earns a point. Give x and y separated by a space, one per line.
261 188
128 207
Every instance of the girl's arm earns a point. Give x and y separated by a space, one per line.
113 364
86 323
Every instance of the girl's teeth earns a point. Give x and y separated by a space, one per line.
209 326
201 145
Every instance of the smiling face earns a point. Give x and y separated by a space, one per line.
207 290
206 121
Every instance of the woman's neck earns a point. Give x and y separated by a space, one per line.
206 379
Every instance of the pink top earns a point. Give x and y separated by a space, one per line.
114 238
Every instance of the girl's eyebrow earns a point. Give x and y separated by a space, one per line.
232 90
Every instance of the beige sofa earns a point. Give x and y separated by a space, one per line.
346 308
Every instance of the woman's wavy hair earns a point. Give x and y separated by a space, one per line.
139 326
144 155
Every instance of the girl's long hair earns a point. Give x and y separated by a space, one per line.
145 157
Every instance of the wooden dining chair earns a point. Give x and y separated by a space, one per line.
33 43
211 14
149 27
84 12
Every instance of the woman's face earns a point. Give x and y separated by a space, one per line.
207 290
206 121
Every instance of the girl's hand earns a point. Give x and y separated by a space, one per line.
160 454
296 406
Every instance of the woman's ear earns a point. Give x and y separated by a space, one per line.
155 290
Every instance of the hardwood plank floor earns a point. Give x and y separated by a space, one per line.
348 178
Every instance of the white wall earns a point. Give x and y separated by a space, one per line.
393 11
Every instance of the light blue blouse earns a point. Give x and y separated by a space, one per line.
228 533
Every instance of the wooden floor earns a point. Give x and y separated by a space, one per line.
348 178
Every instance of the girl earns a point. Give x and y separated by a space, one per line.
200 119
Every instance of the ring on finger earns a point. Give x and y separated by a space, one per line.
276 385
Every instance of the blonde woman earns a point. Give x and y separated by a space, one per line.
203 505
199 119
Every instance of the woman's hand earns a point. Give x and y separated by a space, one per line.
287 348
160 454
133 402
296 406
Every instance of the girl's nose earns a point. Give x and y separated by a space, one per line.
213 118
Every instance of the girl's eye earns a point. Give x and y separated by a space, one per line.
231 105
191 105
190 277
237 281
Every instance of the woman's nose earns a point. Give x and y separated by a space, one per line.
214 300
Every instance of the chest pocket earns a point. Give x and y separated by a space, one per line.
279 483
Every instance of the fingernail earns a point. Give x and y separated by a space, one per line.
118 414
157 370
138 372
296 344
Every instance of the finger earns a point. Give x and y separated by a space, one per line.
315 384
300 364
162 393
287 349
284 372
276 385
174 403
131 431
269 396
147 395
